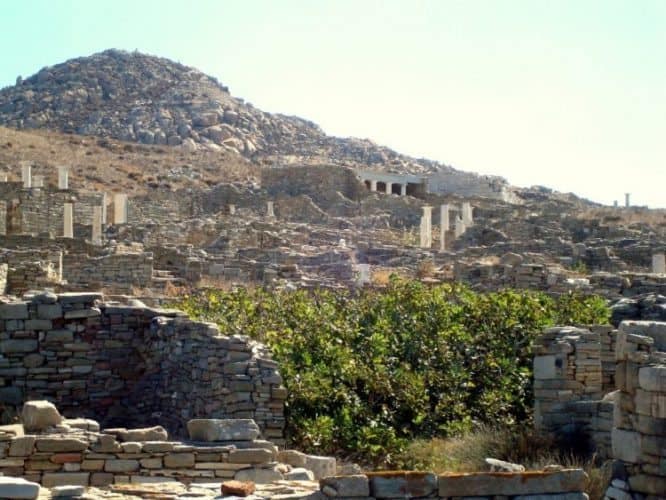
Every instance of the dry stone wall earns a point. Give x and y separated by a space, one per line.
568 387
120 268
639 422
125 365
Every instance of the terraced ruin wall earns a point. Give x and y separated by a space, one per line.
133 366
605 389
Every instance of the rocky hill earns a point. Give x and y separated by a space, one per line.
155 101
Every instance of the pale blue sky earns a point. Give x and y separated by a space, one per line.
570 94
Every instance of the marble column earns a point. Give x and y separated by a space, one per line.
467 214
403 189
459 227
659 263
26 175
426 227
443 225
97 226
373 185
63 177
119 208
270 212
68 220
627 200
232 209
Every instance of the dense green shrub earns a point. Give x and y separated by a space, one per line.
366 372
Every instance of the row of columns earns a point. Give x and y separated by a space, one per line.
27 178
120 209
389 187
461 223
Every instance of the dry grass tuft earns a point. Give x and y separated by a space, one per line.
527 447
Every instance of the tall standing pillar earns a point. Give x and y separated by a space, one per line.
270 211
120 208
403 189
26 175
63 177
97 226
443 225
426 227
627 200
68 220
467 213
459 227
103 206
373 185
659 263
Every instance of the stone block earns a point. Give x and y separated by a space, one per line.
39 416
52 479
223 429
18 310
299 474
401 484
12 346
345 486
321 466
92 465
652 378
157 447
101 479
67 491
21 446
151 463
544 367
59 336
157 433
16 487
511 484
179 460
259 476
120 465
250 456
57 444
237 488
648 484
49 311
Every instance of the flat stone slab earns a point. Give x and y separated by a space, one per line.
208 430
345 486
402 484
17 487
511 484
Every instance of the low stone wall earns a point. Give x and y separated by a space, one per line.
122 268
126 365
52 451
566 484
639 423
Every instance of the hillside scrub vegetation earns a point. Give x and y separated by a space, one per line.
369 372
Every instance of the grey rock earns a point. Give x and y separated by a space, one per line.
223 429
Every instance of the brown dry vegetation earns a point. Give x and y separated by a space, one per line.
111 165
527 447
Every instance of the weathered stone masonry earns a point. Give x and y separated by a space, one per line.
124 365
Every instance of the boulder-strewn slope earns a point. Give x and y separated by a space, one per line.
151 100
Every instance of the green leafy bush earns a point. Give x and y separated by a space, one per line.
368 372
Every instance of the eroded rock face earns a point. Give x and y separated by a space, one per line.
155 101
